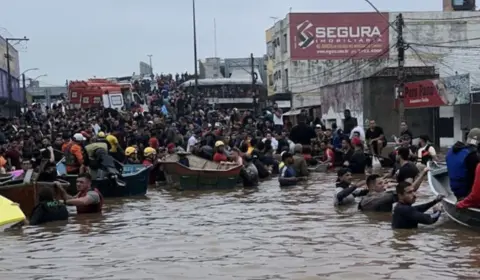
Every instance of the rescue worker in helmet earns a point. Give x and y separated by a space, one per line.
131 155
462 160
150 156
150 160
101 139
73 153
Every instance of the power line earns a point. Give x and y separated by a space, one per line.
441 19
446 47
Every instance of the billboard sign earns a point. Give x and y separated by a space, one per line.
448 91
323 36
145 69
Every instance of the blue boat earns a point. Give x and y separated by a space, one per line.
135 176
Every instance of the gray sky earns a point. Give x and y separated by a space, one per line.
108 38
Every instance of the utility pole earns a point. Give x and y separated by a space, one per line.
254 83
401 46
9 75
24 93
195 47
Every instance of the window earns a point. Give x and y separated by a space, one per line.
85 100
96 100
285 43
74 94
116 100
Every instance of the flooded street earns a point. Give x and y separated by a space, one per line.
264 234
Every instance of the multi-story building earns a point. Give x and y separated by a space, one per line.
17 93
309 53
211 68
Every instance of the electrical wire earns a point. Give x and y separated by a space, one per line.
441 19
356 70
446 47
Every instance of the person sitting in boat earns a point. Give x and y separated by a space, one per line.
96 154
380 200
171 148
406 216
101 139
47 171
462 161
88 199
73 153
345 191
220 155
150 156
425 153
287 175
249 173
131 155
473 198
183 159
358 161
48 208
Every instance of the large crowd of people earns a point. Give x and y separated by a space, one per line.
265 145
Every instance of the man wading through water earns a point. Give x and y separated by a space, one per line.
379 200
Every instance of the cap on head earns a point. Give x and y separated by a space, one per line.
473 137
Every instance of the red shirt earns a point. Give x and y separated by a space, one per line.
218 157
147 162
473 199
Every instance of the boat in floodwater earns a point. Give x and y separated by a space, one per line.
440 184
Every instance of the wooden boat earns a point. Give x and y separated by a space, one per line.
135 177
440 184
201 175
24 191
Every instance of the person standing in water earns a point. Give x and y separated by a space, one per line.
88 200
407 216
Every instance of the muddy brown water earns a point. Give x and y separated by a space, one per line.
264 234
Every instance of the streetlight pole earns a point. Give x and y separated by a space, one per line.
151 67
9 76
195 47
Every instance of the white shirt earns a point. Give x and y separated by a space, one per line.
273 141
360 130
278 120
192 141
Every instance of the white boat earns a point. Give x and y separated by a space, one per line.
440 184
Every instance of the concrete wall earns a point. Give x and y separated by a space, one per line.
278 53
307 76
210 68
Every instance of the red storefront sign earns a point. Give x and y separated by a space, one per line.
318 36
423 94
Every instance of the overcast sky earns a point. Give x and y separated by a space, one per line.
79 39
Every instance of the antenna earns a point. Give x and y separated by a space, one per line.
215 36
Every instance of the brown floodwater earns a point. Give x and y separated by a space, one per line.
264 234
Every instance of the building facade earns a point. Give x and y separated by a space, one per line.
309 52
211 68
17 93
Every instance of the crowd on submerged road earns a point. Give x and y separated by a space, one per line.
266 145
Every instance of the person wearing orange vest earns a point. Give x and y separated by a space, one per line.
88 199
73 154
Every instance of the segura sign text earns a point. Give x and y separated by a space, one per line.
338 36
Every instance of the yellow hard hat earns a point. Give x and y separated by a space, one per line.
130 151
149 151
219 143
101 134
